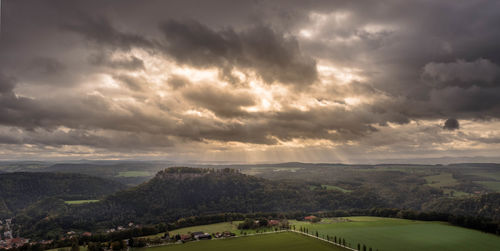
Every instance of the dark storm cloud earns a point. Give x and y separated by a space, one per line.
102 139
411 34
473 102
130 63
222 102
45 66
425 56
200 130
99 30
178 81
481 72
451 124
131 82
6 84
319 123
272 55
420 60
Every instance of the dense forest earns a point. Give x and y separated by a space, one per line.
183 192
487 205
20 190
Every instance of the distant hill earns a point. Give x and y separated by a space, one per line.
486 205
21 189
180 192
126 172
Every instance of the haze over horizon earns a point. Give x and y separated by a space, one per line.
250 81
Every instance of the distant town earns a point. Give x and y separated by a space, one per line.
7 240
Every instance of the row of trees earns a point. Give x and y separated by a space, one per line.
339 240
474 222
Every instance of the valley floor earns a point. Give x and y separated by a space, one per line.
273 242
399 234
379 233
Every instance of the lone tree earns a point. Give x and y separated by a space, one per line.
95 246
74 245
118 245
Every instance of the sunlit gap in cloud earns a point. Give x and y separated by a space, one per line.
317 21
308 150
331 74
267 96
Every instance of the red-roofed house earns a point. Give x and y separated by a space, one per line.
310 218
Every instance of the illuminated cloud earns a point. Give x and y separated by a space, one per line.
249 81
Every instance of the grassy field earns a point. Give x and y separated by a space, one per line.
133 174
398 234
330 187
211 228
493 185
75 202
382 233
484 174
441 180
214 228
272 242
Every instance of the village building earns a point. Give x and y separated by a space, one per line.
201 236
310 218
7 235
186 237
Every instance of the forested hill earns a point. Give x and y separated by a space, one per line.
19 190
487 205
181 192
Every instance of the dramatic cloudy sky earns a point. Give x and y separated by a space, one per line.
249 81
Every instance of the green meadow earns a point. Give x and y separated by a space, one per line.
128 174
76 202
263 242
398 234
376 232
330 187
214 228
441 180
493 185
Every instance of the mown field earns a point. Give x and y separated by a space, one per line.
262 242
76 202
134 174
382 233
398 234
214 228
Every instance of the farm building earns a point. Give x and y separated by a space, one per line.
201 236
310 218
